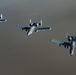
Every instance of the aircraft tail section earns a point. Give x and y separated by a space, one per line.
41 22
30 21
1 16
67 35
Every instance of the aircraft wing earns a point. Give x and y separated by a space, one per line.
22 27
19 26
57 41
65 44
44 28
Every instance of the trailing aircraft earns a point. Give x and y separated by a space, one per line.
33 27
2 19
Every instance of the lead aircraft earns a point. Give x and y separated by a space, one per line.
33 27
70 45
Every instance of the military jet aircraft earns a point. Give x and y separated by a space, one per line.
2 19
33 27
70 38
70 45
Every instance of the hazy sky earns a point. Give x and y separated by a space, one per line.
35 54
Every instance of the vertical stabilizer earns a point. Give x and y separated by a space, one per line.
67 35
41 22
30 21
1 16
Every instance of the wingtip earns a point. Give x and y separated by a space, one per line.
18 26
51 40
50 28
5 19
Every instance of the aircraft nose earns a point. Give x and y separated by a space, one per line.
28 34
71 54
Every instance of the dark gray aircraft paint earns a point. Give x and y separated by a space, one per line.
36 55
2 20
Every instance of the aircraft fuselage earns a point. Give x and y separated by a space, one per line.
72 48
31 30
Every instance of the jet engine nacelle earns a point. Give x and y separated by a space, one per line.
35 24
40 23
30 24
70 38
